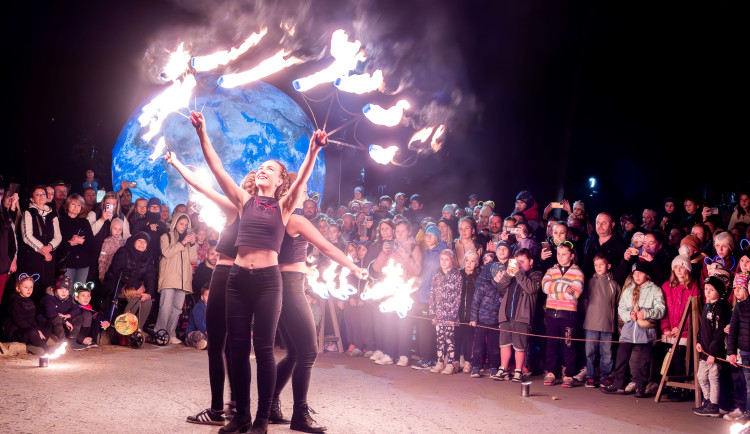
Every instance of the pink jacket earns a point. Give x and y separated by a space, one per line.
676 299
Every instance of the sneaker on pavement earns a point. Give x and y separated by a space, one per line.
207 417
421 364
710 410
651 388
438 368
403 361
474 372
517 376
174 340
735 415
376 355
630 388
368 354
590 382
566 382
201 344
76 346
612 390
549 379
356 352
467 368
450 368
581 375
385 360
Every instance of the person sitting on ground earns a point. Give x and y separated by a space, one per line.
716 315
195 333
93 321
22 325
445 294
59 313
519 287
641 306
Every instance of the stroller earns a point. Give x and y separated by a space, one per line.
126 324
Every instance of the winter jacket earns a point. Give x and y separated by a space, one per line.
523 304
52 306
714 318
600 303
197 319
486 303
661 267
144 225
430 265
445 296
39 227
468 287
175 267
81 255
21 315
651 301
136 268
613 249
109 248
556 284
737 218
739 328
676 299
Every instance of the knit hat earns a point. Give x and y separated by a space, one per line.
724 238
433 229
154 201
142 236
681 260
416 197
474 196
637 236
669 199
630 218
717 283
525 197
504 243
63 282
643 267
691 241
449 208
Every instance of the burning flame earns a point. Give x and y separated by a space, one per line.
264 68
208 211
177 64
346 55
421 136
158 150
737 428
58 352
437 141
360 83
394 289
333 283
172 99
211 61
382 155
386 117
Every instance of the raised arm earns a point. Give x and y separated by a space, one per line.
299 225
226 206
234 192
318 141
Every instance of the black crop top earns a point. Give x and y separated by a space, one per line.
261 226
228 236
293 249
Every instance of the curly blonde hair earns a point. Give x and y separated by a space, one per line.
248 184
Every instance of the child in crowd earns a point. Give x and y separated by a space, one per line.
715 316
23 326
641 307
600 305
195 333
59 313
637 242
484 312
445 295
738 337
93 322
465 333
563 284
111 244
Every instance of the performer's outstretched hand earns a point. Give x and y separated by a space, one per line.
319 140
171 158
199 122
361 273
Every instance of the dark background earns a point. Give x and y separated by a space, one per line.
648 98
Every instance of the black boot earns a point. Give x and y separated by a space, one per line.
276 415
302 421
239 423
260 426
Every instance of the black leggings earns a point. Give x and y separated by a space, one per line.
31 337
253 305
216 328
297 328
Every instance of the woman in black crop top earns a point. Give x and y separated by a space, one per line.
296 323
265 201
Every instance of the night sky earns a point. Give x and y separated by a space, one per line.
646 97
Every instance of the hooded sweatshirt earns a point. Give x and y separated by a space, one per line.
600 303
175 266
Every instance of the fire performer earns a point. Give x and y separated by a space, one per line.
265 201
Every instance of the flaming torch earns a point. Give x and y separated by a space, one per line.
386 117
382 155
265 68
346 55
394 289
360 83
220 58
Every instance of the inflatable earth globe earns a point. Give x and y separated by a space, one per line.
247 125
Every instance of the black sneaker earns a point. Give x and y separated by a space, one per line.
612 390
422 364
590 382
207 417
641 392
710 410
76 346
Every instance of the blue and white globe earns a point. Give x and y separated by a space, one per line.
247 125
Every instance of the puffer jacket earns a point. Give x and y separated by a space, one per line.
739 328
445 296
486 304
676 300
650 300
175 266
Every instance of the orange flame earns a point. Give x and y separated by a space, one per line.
265 68
177 64
211 61
346 55
386 117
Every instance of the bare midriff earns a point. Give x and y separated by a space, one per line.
250 257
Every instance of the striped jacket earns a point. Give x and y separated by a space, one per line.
555 284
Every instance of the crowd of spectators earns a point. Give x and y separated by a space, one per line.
487 276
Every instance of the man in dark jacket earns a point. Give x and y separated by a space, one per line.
519 286
605 242
654 253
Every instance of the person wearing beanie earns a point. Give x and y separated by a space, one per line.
641 307
526 203
716 315
694 253
449 217
153 226
671 217
59 313
677 292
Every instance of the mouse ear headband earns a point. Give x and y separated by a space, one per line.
24 276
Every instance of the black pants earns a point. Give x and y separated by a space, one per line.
398 336
31 337
464 340
638 357
297 328
486 345
216 328
253 304
426 344
565 328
